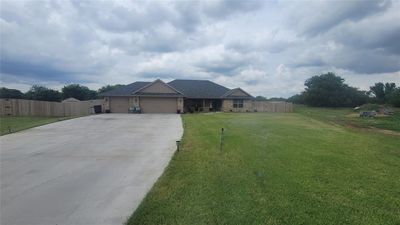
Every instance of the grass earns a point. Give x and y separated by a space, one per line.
15 124
276 169
347 116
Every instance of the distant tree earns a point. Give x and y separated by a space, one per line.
382 91
298 99
92 94
42 93
78 91
109 88
330 90
11 93
355 97
394 97
260 98
378 90
277 99
390 88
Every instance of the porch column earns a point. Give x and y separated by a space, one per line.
106 103
180 104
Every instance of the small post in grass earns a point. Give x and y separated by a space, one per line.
177 145
9 129
221 139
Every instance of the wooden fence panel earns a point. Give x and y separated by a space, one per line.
268 106
22 107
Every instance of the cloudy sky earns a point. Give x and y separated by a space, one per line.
266 47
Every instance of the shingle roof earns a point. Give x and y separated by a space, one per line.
228 94
199 88
189 89
126 90
158 94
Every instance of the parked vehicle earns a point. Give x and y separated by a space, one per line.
368 114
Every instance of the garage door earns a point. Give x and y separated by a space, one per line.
158 105
119 105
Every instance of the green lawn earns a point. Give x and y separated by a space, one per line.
347 116
21 123
276 169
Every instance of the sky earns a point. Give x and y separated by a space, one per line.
268 48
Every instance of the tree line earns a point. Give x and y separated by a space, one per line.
330 90
325 90
42 93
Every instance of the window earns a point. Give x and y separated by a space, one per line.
237 103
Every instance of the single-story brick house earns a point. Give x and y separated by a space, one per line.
177 96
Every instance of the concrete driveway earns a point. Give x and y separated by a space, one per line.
89 170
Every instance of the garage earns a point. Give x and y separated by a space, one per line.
150 97
119 104
158 105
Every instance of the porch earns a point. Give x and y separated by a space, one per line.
202 105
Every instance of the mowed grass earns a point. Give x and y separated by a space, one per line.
349 117
276 169
15 124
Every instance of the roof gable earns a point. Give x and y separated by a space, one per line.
157 87
237 93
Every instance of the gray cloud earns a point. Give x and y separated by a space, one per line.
375 32
269 48
34 71
224 8
313 18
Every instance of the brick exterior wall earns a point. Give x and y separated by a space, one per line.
227 106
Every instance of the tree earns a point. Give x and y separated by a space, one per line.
11 93
390 88
378 90
78 91
42 93
260 98
355 97
382 92
394 97
298 99
330 90
277 99
109 88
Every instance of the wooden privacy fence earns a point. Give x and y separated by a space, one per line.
22 107
273 106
